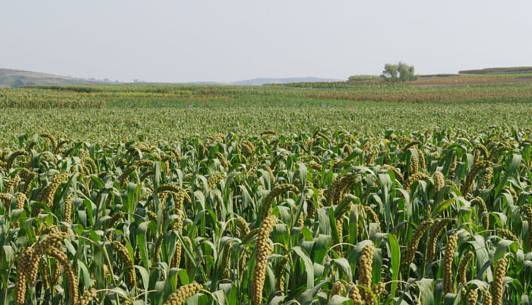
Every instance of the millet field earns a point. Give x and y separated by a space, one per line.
352 193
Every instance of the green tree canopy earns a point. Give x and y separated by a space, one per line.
398 72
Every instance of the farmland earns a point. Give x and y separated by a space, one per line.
170 112
325 193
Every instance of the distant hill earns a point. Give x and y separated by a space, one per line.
500 70
20 78
286 80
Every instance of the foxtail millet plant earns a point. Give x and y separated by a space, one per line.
22 266
413 161
181 295
487 299
52 139
67 209
127 261
21 200
263 249
463 266
13 156
414 242
439 181
435 231
507 234
354 294
49 193
497 286
450 249
274 193
87 296
178 227
472 296
6 198
365 273
340 186
62 259
12 185
336 288
470 178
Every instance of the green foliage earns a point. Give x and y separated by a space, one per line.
121 211
399 72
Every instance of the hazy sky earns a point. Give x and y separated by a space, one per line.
225 40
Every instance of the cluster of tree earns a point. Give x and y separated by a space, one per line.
398 72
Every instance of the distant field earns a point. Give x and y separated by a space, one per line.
167 112
502 70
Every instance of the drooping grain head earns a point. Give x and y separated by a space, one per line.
12 184
462 267
413 162
486 297
435 231
88 295
450 249
274 193
67 209
263 250
22 266
497 286
414 242
180 296
507 234
62 258
366 271
336 288
21 200
472 296
354 295
49 193
439 181
126 259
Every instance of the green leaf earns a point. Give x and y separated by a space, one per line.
426 291
339 300
395 257
309 267
307 297
9 254
141 243
145 276
343 263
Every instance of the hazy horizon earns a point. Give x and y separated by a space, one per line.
167 41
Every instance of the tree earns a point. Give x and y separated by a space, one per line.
399 72
390 72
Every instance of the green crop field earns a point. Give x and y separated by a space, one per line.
328 193
169 112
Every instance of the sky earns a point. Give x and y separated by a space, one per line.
229 40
